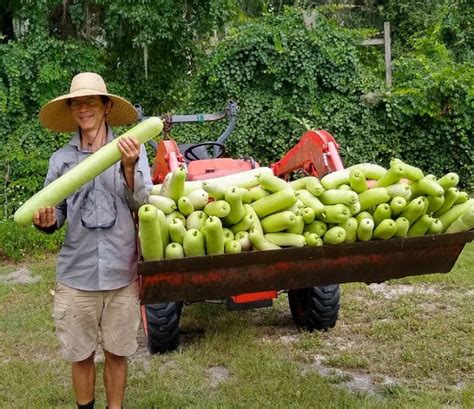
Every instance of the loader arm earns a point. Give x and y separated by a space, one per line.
316 153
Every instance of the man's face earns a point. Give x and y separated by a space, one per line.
88 112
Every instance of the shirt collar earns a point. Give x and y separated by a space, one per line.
76 138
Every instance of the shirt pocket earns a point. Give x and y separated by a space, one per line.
98 209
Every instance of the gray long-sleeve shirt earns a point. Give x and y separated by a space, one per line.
99 252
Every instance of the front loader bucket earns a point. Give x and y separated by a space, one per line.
211 277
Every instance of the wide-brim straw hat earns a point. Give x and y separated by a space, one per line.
57 116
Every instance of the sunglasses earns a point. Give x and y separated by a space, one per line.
75 104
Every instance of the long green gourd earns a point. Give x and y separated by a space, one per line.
193 243
260 242
365 229
233 196
383 211
350 226
151 243
185 206
317 227
165 236
176 230
385 230
308 215
195 220
298 227
421 226
314 186
176 186
84 172
462 223
198 198
357 181
214 239
228 235
286 239
403 224
244 225
173 251
313 240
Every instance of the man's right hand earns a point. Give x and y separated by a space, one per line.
45 217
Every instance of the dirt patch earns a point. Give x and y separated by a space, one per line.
217 375
289 339
354 381
21 276
341 343
281 337
392 292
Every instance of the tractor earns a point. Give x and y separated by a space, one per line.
310 276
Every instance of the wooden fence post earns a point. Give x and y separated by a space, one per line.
388 53
386 41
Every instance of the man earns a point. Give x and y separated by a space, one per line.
96 296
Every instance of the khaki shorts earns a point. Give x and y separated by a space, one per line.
85 319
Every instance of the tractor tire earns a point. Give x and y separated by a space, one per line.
162 326
315 308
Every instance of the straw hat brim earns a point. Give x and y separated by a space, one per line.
56 114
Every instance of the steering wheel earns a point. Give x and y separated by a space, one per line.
190 155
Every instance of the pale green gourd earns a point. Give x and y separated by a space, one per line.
85 171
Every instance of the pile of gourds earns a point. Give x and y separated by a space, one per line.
256 210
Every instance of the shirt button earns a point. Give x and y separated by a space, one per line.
98 207
100 259
99 224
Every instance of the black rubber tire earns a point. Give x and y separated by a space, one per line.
315 308
162 322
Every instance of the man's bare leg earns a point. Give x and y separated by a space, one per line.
115 379
83 380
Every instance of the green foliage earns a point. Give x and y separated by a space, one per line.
431 110
450 20
33 71
140 48
18 242
456 29
154 42
193 56
278 70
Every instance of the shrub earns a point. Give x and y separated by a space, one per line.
18 242
277 70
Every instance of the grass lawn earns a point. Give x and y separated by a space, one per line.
406 343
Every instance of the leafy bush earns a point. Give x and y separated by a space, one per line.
431 110
19 242
138 47
278 69
33 71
